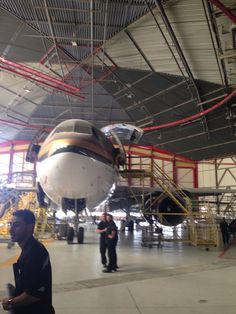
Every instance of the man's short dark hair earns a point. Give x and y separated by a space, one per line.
27 215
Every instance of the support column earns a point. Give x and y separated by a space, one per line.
9 179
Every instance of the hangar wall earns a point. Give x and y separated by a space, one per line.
219 173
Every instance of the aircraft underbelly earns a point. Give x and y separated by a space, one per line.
75 176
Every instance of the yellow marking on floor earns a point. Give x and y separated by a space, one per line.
14 258
47 241
9 261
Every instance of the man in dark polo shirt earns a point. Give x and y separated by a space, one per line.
111 240
33 278
102 229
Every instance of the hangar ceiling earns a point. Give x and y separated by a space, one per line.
147 63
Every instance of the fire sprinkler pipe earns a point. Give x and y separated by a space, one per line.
224 9
37 73
38 76
30 126
191 118
40 81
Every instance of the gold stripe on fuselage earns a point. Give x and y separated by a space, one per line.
87 142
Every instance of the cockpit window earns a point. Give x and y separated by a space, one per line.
63 128
80 128
73 126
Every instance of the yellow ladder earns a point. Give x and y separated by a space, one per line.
28 201
7 216
170 188
203 228
41 222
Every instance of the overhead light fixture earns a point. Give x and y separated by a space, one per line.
26 90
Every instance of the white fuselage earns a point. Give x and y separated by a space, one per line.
74 176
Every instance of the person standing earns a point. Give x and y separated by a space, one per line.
32 272
112 239
224 228
102 229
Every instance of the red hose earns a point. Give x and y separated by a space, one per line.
200 114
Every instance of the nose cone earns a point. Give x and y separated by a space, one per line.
75 176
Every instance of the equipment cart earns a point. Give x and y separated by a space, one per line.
152 236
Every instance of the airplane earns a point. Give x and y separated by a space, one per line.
78 164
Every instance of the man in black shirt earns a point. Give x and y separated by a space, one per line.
33 278
111 239
102 229
224 228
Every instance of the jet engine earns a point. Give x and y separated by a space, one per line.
160 207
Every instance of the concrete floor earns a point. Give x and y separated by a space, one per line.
174 279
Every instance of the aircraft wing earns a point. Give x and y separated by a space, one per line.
209 191
126 191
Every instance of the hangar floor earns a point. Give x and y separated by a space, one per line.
174 279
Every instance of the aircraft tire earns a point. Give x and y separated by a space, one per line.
80 235
70 235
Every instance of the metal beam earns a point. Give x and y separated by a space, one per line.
78 24
180 139
207 9
208 147
214 41
63 37
38 77
139 49
124 84
109 58
182 104
181 54
177 45
159 93
75 107
224 9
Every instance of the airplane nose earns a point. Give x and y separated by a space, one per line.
75 176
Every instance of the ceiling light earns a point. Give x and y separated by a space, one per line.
27 90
